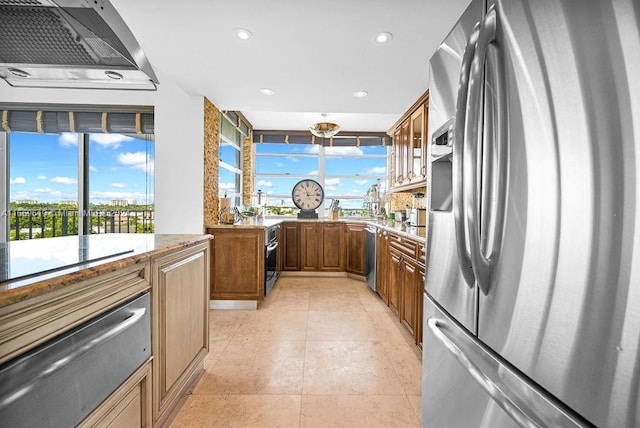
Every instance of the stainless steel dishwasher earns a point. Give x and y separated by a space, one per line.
62 381
370 257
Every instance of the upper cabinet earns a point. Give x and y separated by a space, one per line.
409 134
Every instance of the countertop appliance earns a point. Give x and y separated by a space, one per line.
533 270
370 257
62 381
418 217
271 258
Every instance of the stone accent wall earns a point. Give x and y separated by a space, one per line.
211 154
248 163
399 200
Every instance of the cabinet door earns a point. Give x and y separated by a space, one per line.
417 145
332 250
382 265
405 135
398 158
355 254
310 246
408 315
290 254
180 325
237 263
395 279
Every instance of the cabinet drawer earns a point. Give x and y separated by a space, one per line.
422 254
404 245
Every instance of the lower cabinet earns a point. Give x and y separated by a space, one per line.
180 324
331 247
290 244
382 265
410 284
355 236
238 262
313 246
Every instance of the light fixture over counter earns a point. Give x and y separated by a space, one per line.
324 129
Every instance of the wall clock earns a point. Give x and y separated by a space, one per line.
307 195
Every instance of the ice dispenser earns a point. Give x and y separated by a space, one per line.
441 189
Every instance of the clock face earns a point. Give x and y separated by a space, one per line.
307 194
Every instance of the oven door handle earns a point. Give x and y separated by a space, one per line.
272 247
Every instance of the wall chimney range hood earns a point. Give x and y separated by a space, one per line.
70 44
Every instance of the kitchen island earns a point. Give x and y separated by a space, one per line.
52 287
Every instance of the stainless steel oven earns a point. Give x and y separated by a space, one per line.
271 258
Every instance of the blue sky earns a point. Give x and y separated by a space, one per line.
45 167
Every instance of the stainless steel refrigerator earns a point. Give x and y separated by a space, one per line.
532 288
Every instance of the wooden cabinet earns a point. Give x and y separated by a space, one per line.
309 246
382 264
409 135
355 236
238 262
314 246
180 323
395 281
409 283
332 247
290 246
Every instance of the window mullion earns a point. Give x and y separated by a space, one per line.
84 219
4 188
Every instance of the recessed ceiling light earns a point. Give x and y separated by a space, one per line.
267 91
360 94
243 34
382 38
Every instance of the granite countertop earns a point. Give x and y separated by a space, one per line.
399 228
34 267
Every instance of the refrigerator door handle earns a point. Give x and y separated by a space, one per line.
459 149
527 406
485 247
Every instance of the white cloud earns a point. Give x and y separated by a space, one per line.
313 172
377 170
41 177
63 180
279 164
227 186
351 151
293 159
67 139
110 140
314 148
137 160
17 180
361 182
118 185
332 181
93 168
42 190
263 183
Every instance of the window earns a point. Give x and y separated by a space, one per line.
46 185
345 172
230 160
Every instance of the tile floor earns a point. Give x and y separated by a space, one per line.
319 352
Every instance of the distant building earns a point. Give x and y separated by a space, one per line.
69 202
26 201
120 202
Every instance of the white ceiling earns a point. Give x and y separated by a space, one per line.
313 53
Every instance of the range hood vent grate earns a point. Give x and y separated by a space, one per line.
79 45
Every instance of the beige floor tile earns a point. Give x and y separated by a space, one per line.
407 365
224 323
331 301
216 347
357 411
416 404
239 411
273 325
372 302
287 301
347 367
339 326
387 328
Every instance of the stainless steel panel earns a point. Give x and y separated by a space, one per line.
444 279
370 257
61 382
465 385
563 302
